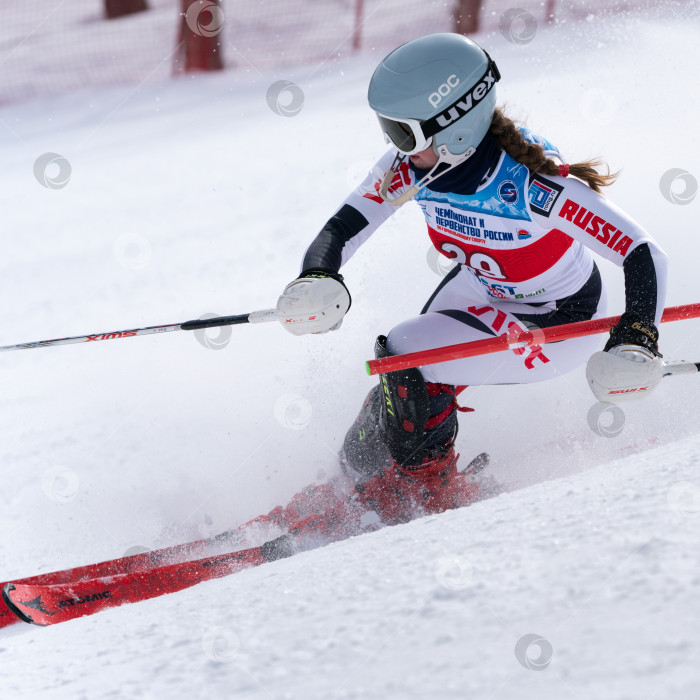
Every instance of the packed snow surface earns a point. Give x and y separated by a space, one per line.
194 196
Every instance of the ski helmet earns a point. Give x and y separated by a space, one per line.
435 90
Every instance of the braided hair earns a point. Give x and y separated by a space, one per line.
532 155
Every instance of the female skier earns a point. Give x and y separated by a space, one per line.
522 224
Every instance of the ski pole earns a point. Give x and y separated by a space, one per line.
263 316
522 339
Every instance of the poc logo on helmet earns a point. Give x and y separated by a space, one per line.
443 91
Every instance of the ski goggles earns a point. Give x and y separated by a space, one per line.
411 136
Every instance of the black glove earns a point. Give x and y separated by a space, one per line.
631 330
312 273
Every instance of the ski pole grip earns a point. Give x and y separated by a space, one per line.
681 367
262 316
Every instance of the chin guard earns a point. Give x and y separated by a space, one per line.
446 162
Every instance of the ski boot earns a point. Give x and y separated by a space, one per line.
400 451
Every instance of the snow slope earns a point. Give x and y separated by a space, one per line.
603 565
193 196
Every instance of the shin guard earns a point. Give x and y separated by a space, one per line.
417 420
403 421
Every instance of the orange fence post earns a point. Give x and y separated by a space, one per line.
549 11
357 29
119 8
467 16
200 30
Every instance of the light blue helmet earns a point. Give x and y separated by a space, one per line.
435 90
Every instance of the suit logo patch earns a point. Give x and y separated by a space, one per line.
508 192
543 194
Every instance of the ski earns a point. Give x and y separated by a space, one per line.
51 603
129 564
47 599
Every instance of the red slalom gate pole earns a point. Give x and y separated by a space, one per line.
519 339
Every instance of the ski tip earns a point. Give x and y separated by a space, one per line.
6 590
367 369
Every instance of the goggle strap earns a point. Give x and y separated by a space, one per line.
462 105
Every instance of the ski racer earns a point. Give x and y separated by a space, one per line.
523 226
